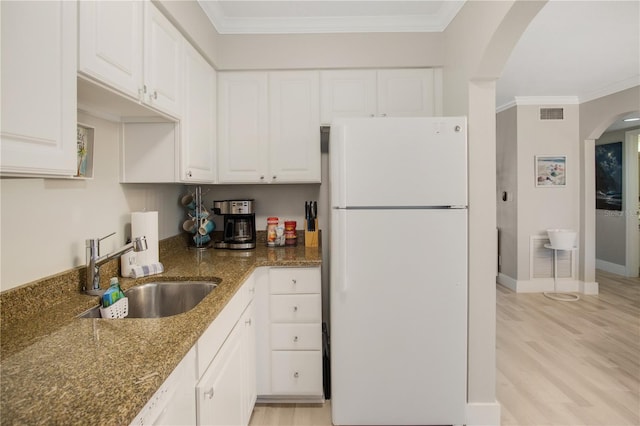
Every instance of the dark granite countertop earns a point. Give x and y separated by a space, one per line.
56 368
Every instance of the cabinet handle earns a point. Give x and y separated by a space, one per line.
383 115
295 338
209 393
293 281
295 309
261 177
248 322
296 375
372 115
155 94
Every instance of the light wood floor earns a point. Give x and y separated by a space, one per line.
559 363
570 363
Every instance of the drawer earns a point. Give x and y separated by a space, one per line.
296 372
296 308
296 336
294 280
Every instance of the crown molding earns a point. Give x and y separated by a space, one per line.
331 24
611 89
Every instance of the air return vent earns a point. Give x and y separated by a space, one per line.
551 113
542 260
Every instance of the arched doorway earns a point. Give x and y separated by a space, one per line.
625 220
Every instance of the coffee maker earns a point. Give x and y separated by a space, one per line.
239 230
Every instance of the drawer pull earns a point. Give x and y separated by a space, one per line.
209 393
295 309
295 338
296 375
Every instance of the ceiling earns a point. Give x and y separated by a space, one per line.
577 50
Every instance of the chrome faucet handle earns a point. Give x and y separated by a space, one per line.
106 236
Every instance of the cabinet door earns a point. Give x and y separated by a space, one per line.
219 392
294 131
406 92
163 50
243 127
197 145
248 321
347 93
39 69
110 43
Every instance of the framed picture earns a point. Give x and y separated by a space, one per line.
551 170
85 135
609 176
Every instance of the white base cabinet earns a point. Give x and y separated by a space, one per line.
289 344
226 392
39 116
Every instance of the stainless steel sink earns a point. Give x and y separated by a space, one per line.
161 299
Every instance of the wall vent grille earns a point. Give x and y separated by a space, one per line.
542 260
551 113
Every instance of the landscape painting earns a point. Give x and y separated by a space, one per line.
609 176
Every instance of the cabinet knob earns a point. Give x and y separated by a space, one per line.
155 95
383 115
296 374
189 174
209 393
295 338
295 309
293 281
261 177
274 177
248 322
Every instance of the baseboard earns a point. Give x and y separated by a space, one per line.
611 267
546 284
589 288
507 281
483 414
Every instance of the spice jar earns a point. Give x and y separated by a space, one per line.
272 225
290 237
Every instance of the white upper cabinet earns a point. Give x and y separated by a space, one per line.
198 142
406 93
243 127
370 93
38 133
130 46
348 93
163 46
269 127
110 43
294 132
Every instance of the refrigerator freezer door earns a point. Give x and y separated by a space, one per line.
398 316
416 161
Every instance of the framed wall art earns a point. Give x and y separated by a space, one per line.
551 170
609 175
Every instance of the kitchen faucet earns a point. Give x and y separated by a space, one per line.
94 260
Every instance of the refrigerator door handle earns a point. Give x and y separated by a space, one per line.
340 251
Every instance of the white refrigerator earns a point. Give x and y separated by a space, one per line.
398 281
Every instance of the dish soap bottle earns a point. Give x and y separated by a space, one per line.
113 294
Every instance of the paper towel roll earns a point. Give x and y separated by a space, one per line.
146 224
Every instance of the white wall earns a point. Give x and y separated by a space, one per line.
477 44
507 182
45 222
595 117
541 208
